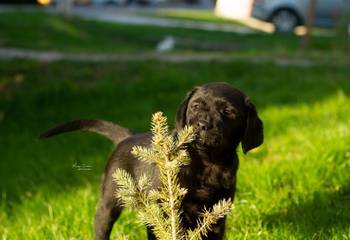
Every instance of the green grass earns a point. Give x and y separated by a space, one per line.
43 31
193 14
296 186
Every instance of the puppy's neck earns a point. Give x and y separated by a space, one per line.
212 156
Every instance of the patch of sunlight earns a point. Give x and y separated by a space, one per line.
327 107
189 13
292 132
257 24
66 28
241 12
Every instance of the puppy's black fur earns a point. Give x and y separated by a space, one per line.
222 117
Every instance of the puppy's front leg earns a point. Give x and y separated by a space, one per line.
150 234
217 231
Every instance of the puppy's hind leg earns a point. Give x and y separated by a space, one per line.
107 213
108 209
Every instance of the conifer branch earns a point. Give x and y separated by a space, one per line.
220 210
145 154
161 208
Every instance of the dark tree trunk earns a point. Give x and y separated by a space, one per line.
309 23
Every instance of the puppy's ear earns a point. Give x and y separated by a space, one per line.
182 109
253 134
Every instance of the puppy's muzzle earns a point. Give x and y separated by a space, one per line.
207 135
204 125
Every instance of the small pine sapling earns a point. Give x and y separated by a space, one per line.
161 208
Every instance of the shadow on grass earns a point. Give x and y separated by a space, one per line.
319 218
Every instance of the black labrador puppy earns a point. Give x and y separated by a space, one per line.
222 117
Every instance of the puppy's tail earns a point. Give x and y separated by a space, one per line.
112 131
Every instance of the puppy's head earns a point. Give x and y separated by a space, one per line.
222 117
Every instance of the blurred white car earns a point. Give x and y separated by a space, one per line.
286 15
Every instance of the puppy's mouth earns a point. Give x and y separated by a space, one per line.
208 140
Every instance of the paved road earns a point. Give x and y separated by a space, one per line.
52 56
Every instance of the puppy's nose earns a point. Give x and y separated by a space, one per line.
204 125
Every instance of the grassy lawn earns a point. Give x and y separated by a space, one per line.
193 14
296 186
43 31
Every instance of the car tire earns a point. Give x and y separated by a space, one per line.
285 20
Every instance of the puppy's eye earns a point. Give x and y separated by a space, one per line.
229 112
195 106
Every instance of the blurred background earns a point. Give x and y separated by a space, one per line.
123 60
